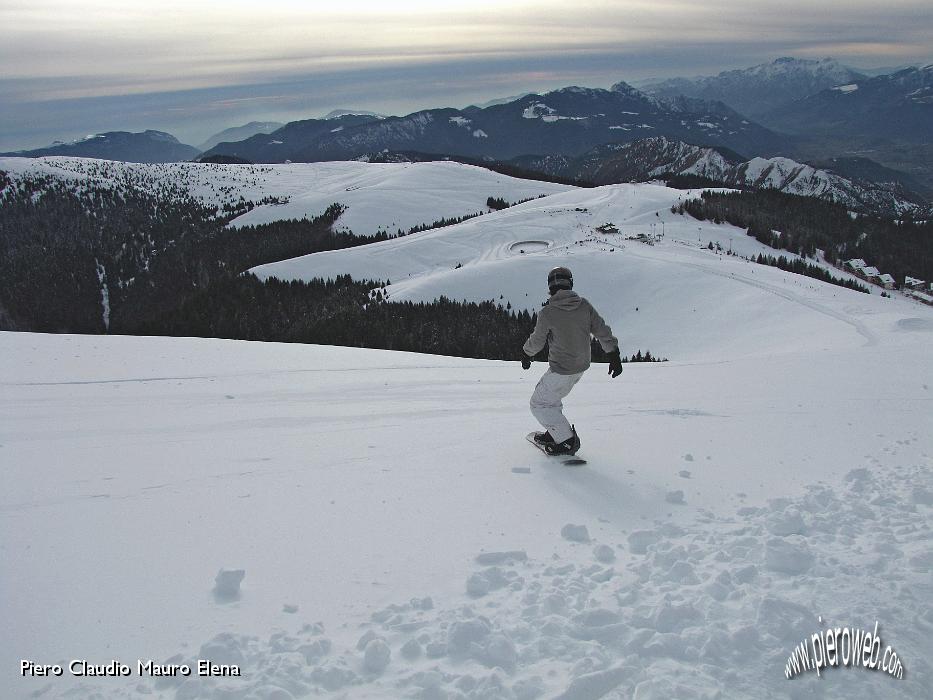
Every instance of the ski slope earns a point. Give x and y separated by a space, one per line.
384 197
398 537
372 495
675 298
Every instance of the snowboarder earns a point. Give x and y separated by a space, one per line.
565 323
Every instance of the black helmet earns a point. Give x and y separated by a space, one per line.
559 278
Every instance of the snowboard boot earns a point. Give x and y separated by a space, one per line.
543 438
567 447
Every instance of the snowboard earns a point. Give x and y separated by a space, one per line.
566 460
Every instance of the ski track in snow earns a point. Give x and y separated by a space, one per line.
870 338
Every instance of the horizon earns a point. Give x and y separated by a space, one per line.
195 69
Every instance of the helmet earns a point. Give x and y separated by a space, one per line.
559 278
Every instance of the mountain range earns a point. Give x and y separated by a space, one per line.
820 112
238 133
898 106
757 90
143 147
569 121
829 110
862 186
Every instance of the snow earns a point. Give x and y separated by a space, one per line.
342 522
539 110
536 110
104 293
371 191
759 300
852 87
418 568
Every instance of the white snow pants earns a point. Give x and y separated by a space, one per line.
546 404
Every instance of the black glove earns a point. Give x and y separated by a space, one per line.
526 362
615 364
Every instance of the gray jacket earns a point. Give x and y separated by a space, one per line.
565 324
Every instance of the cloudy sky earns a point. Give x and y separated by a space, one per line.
71 67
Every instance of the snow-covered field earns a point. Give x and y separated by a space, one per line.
378 196
401 539
398 537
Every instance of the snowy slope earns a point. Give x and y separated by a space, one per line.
399 537
874 191
379 196
727 504
672 297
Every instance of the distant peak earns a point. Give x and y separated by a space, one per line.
160 136
577 90
623 87
337 113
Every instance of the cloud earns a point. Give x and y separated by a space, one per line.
69 57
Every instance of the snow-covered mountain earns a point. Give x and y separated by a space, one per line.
240 133
569 121
378 197
143 147
637 161
786 175
757 90
647 159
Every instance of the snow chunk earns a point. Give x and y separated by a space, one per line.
225 648
604 553
411 650
597 684
788 522
493 558
481 583
463 634
789 555
376 656
227 584
851 87
639 540
575 533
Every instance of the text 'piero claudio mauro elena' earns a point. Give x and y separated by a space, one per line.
143 667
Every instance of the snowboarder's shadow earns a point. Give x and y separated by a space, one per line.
598 494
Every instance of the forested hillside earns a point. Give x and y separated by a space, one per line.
803 224
135 263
